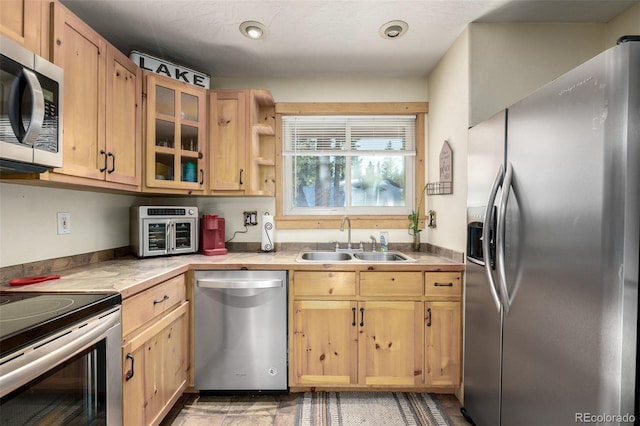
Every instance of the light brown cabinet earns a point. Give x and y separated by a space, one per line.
389 343
443 328
155 355
123 120
342 338
443 343
324 343
26 22
242 142
175 139
102 108
379 329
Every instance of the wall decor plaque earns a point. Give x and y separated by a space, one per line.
168 69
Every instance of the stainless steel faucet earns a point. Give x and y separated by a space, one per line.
373 243
346 218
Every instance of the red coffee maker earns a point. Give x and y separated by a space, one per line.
212 235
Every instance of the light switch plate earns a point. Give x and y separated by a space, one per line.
64 223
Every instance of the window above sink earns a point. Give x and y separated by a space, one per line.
368 166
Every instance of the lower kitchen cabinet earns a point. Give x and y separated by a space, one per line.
443 328
357 329
390 343
344 343
443 343
155 355
325 343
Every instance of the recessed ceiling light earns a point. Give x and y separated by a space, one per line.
393 29
253 29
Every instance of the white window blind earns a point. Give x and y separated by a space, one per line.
346 164
351 135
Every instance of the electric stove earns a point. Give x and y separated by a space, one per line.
27 317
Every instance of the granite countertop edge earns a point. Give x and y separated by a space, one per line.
130 276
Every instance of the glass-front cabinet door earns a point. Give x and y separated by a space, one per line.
175 140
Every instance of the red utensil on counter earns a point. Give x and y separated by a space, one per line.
32 280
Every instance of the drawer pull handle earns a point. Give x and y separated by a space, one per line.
443 284
353 323
155 302
361 317
130 373
428 317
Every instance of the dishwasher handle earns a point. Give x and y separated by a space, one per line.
235 284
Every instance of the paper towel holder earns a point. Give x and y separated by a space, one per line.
268 228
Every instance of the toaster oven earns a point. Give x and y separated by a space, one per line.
164 230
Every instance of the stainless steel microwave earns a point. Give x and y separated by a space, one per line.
163 230
31 90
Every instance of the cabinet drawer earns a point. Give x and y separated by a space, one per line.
147 305
443 285
391 284
315 283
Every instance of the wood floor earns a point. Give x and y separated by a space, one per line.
267 410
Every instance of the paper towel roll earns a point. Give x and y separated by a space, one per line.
268 230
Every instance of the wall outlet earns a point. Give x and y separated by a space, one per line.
64 223
250 218
432 219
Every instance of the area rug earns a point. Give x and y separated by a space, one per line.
370 408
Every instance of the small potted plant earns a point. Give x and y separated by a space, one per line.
414 221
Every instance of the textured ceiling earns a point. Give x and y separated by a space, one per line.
314 38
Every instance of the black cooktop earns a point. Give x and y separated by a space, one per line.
27 317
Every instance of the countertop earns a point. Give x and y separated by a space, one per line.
131 275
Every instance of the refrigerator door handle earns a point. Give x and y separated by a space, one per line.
486 236
500 239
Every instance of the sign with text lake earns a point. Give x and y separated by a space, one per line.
168 69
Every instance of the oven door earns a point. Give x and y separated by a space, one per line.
185 236
156 237
70 377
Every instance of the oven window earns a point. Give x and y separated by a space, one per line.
73 393
183 235
158 236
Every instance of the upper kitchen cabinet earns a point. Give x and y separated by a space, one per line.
242 142
175 136
102 107
26 22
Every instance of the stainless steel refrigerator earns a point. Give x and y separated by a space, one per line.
551 305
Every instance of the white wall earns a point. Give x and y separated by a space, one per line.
29 229
510 61
627 23
314 90
448 120
505 63
100 221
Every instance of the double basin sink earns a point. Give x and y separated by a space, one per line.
337 256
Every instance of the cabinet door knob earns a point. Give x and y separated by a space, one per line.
361 317
241 172
428 317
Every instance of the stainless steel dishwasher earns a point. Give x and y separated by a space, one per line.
240 330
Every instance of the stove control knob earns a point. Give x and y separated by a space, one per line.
191 212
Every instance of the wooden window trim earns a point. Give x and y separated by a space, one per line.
420 109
